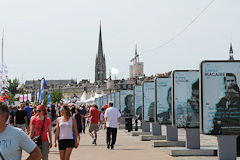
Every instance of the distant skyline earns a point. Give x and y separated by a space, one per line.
59 39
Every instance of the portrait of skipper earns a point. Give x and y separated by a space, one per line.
128 110
193 106
165 117
227 115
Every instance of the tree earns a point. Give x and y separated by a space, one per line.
56 96
13 86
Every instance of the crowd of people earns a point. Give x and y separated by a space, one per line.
29 127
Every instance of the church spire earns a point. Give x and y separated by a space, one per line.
231 53
100 48
100 64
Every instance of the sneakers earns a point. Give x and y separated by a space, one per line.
112 146
94 141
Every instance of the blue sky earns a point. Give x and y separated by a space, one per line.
58 39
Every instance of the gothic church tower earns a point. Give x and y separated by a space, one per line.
100 64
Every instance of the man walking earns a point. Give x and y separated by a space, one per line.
14 140
94 115
112 121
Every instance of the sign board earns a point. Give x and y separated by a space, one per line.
163 87
148 101
97 101
185 96
104 100
220 97
126 102
29 97
116 100
138 101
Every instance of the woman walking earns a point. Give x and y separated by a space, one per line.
66 133
41 125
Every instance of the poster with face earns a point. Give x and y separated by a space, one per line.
101 101
116 100
109 97
148 101
163 102
126 102
138 101
185 106
220 97
112 97
105 102
97 101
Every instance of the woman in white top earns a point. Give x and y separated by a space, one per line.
66 133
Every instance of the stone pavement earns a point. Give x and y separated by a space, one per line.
127 147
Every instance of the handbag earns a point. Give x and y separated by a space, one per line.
38 139
1 156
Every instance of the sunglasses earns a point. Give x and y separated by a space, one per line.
39 110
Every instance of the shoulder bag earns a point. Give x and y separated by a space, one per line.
38 140
1 156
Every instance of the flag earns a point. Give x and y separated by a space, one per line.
75 96
6 95
49 100
2 99
42 91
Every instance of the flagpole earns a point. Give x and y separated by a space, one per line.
2 57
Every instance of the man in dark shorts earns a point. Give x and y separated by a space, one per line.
94 115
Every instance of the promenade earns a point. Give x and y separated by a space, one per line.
130 147
127 147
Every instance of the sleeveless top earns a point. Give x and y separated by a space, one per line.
66 128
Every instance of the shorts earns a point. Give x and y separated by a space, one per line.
63 144
93 127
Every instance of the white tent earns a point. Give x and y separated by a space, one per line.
84 97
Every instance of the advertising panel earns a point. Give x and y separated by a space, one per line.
126 102
138 100
185 106
97 101
104 100
116 100
220 97
148 101
163 87
109 97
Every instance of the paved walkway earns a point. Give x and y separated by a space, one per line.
127 147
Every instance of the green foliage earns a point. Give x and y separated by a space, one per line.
56 96
11 98
13 86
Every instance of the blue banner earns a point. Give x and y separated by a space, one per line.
49 100
42 91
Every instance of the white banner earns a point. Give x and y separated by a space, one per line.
21 98
25 97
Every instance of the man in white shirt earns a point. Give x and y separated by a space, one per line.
14 140
112 121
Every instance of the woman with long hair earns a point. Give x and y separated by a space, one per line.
66 133
41 125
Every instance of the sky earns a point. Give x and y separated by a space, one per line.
58 39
